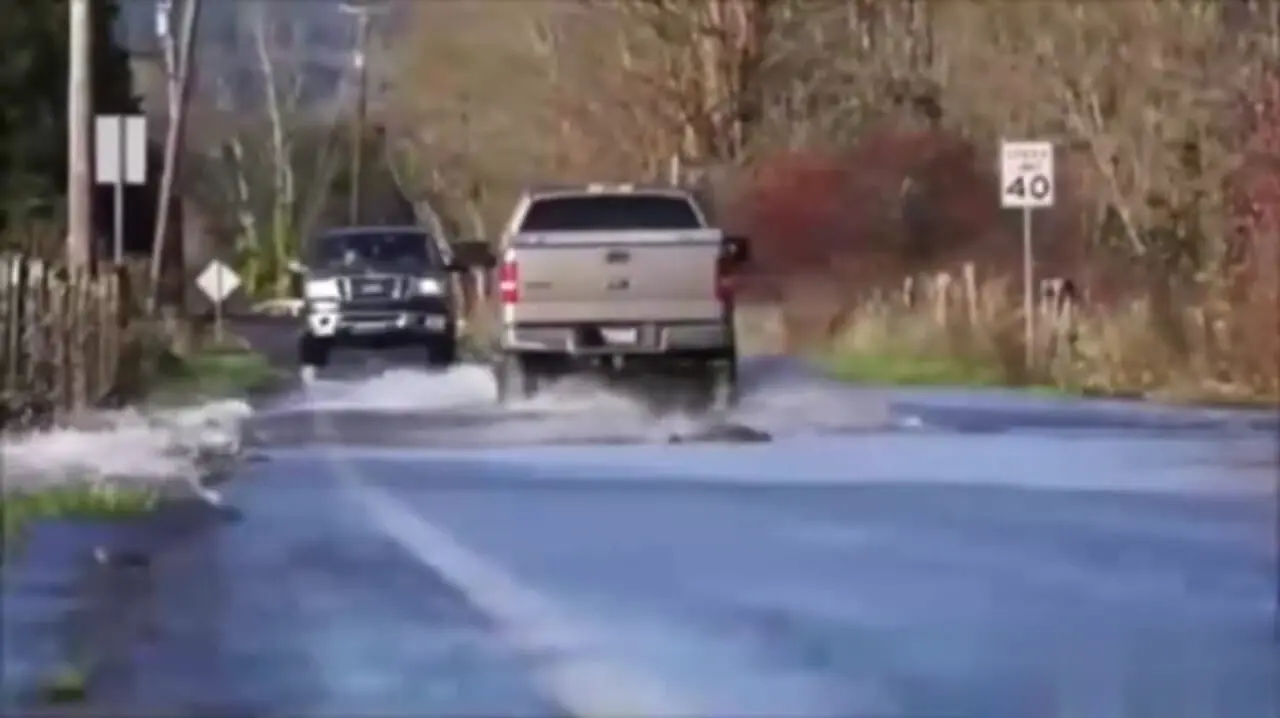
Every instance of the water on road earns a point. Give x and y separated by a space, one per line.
406 548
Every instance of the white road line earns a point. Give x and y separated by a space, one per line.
566 662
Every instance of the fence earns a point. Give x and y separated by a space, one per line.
62 334
942 313
992 311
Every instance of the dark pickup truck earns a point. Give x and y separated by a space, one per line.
381 287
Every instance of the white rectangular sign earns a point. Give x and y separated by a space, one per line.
1026 174
164 10
120 149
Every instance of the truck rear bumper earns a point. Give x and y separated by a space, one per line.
614 339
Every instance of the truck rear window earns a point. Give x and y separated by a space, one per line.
590 213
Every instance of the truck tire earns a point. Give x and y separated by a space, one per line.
314 351
515 380
442 353
722 384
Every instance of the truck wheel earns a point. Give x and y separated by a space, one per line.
514 379
442 353
722 385
314 351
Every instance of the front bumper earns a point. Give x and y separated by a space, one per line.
350 321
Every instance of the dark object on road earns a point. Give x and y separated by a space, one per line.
735 433
616 279
381 287
121 559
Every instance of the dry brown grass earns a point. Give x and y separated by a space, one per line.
1225 357
760 329
964 333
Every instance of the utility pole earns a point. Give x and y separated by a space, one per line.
179 91
360 59
79 148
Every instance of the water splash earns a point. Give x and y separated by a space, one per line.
152 447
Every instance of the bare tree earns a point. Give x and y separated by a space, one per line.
468 114
1139 94
277 148
1143 92
571 91
679 78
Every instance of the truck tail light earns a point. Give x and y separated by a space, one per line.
724 280
509 281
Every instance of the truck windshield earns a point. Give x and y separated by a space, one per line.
592 213
376 247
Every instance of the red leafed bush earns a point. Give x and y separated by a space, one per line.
1258 212
1256 295
791 209
897 203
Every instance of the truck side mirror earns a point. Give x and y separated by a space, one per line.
471 255
737 249
297 276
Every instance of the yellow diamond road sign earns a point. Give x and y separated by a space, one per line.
218 281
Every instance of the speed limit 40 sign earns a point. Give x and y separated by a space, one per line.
1026 174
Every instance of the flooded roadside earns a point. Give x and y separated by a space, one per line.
86 510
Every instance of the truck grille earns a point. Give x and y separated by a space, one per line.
371 288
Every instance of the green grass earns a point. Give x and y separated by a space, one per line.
911 371
908 370
223 372
90 502
67 685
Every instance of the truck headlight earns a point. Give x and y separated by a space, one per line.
321 289
428 287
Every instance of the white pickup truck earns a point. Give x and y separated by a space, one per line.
615 278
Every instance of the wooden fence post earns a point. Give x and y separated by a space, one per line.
15 279
60 337
970 274
79 345
941 298
58 341
40 335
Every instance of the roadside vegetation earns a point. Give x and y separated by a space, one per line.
68 686
1118 350
878 170
881 167
76 343
90 501
206 374
216 372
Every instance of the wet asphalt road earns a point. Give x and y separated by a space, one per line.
404 548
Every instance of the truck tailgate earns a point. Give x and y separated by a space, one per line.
616 277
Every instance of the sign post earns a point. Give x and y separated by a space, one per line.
120 158
1026 183
217 282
